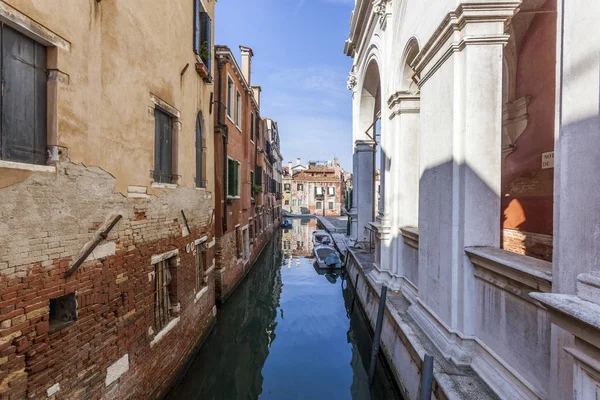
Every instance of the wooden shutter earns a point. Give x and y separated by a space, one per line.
258 175
23 136
205 36
230 177
162 147
199 181
197 27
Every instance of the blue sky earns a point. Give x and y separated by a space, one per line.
299 62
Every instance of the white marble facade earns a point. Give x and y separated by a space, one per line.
433 72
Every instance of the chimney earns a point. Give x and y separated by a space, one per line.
256 90
298 161
247 55
290 167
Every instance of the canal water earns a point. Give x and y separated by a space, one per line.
288 331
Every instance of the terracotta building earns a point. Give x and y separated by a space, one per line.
317 189
244 201
106 243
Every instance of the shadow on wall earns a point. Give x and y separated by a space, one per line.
578 197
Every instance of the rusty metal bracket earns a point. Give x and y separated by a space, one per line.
99 237
186 222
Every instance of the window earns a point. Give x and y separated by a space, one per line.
164 291
229 97
238 242
23 134
201 277
238 113
258 176
300 187
246 243
233 176
251 230
331 190
318 191
319 205
331 205
287 202
199 153
287 187
163 147
294 202
252 127
300 202
63 312
202 32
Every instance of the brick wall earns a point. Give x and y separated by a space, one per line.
231 270
46 221
528 243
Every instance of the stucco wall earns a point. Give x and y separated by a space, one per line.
121 53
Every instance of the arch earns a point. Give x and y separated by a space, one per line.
200 145
411 50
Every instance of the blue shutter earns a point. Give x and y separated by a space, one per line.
205 33
197 27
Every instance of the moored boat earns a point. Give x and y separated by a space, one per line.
327 257
320 237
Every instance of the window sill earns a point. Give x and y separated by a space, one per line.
411 236
200 293
163 332
27 167
230 118
158 185
527 271
231 199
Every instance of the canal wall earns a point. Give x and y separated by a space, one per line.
403 342
232 266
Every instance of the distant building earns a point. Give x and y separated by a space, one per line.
317 189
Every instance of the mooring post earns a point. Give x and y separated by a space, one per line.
377 333
426 378
354 294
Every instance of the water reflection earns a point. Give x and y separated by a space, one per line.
316 349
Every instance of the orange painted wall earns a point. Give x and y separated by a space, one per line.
527 190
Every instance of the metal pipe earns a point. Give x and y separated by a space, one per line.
377 337
426 378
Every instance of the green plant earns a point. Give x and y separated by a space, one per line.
256 188
204 53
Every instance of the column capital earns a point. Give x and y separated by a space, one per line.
403 102
364 145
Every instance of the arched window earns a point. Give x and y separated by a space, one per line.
200 173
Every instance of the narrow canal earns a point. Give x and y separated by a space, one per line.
287 333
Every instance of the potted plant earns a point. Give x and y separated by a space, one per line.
256 188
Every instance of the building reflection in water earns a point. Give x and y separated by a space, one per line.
316 349
229 363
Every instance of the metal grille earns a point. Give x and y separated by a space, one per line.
162 301
201 278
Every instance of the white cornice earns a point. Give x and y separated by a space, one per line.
454 22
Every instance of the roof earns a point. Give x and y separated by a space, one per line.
321 168
303 176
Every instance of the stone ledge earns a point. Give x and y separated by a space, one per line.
411 236
578 316
27 167
533 273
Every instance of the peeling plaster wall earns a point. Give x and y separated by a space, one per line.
45 222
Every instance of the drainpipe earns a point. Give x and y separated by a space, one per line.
224 130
